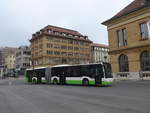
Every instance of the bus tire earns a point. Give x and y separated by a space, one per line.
34 81
85 82
55 81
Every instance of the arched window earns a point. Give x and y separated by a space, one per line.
123 63
145 61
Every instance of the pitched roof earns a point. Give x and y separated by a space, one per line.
60 32
134 6
99 45
63 30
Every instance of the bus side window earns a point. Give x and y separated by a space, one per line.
99 70
85 71
76 72
68 71
54 71
92 71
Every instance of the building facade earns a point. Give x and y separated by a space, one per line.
4 52
23 58
10 61
54 45
10 65
100 53
1 58
3 71
129 41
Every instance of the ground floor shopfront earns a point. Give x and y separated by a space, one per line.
131 63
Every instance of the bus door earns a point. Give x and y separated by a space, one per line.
62 79
62 76
98 74
48 75
98 80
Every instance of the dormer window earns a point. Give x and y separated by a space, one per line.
70 35
57 33
76 36
145 30
63 34
49 31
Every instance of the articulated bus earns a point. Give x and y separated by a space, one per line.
89 74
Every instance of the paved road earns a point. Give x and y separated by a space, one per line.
16 96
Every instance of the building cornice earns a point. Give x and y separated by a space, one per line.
126 14
59 36
128 48
129 20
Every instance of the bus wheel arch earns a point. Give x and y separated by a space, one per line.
55 81
34 80
85 82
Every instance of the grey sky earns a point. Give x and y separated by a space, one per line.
19 19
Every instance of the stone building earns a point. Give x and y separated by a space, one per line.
129 41
100 53
1 58
55 45
10 64
10 61
3 71
23 58
4 52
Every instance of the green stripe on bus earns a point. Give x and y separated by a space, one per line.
73 81
44 81
106 83
92 82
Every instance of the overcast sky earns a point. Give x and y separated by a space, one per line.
19 19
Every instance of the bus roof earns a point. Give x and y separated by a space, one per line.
36 68
66 65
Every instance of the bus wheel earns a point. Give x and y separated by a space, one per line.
55 82
85 82
34 81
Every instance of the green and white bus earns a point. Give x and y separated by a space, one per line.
36 75
89 74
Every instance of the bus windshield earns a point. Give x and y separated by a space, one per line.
108 71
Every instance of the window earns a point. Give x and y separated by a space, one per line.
81 43
123 63
145 61
144 30
49 45
50 52
63 47
70 41
49 31
70 54
122 37
50 39
56 52
76 54
70 48
64 53
124 34
56 46
119 38
76 48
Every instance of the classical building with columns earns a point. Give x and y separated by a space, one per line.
129 41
